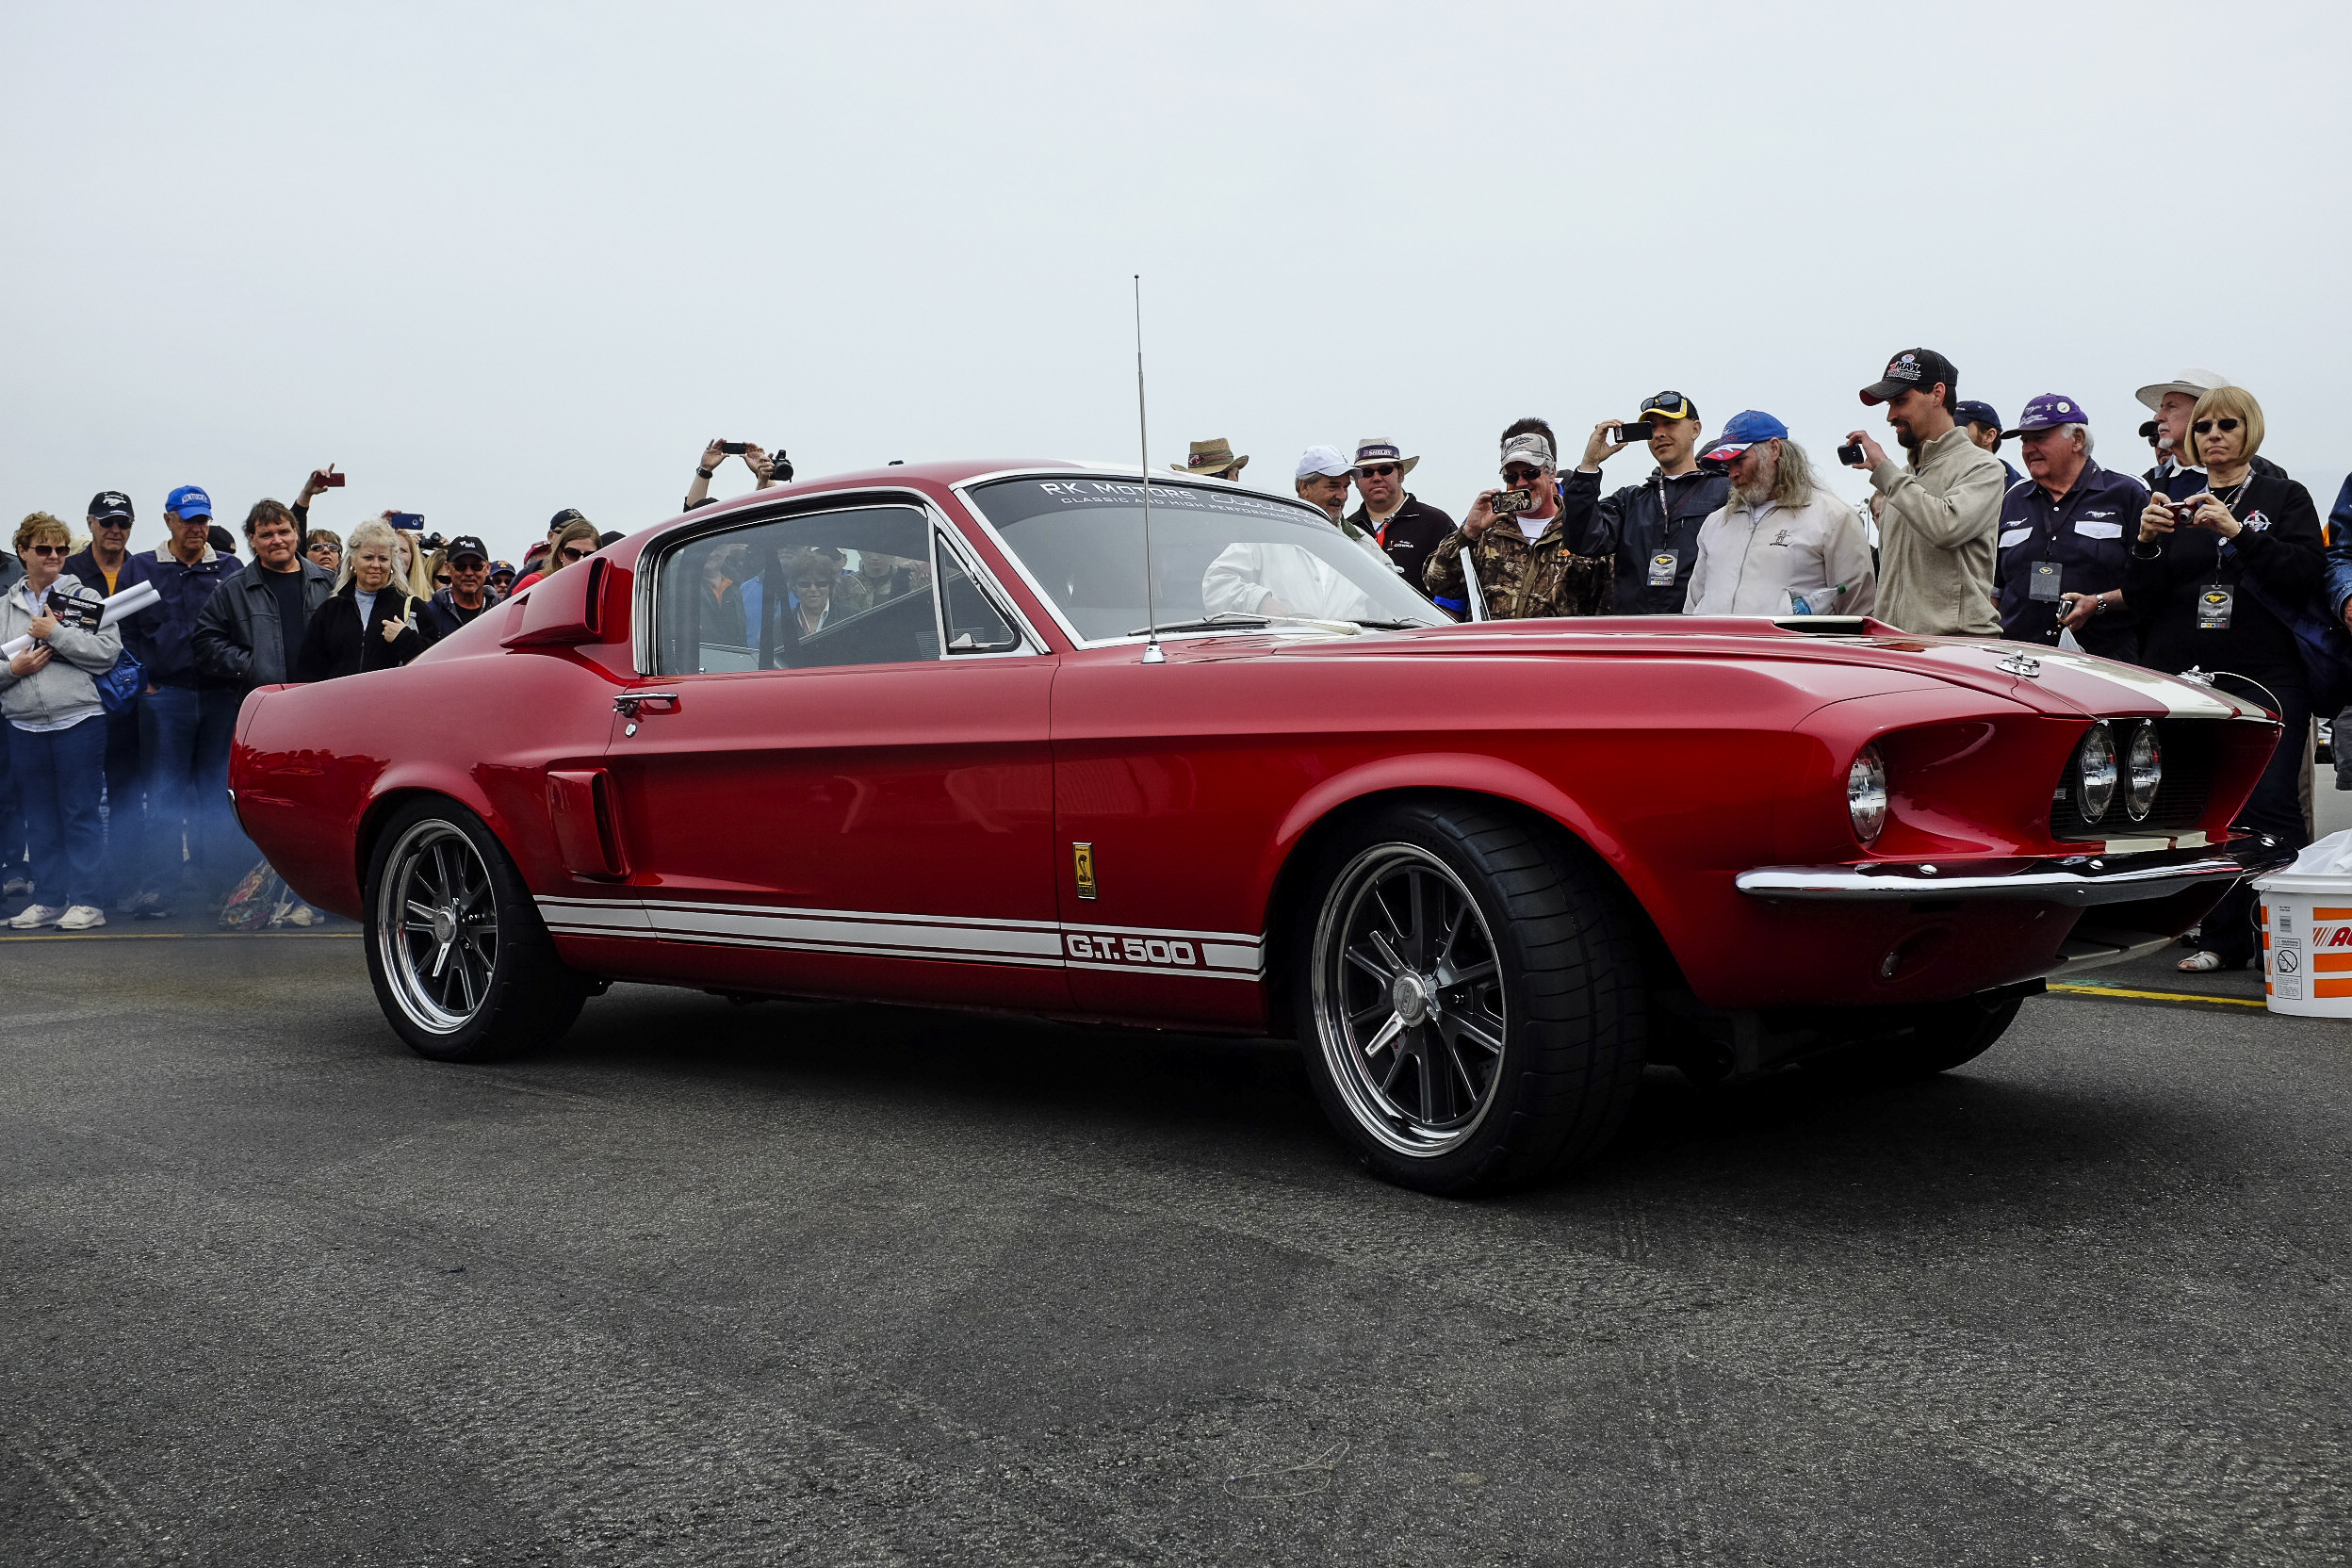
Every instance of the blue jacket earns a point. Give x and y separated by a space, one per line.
2089 532
2338 564
163 637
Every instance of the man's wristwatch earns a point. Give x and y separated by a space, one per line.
701 472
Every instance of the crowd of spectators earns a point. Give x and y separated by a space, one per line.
2213 562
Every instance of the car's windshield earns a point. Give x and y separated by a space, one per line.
1216 555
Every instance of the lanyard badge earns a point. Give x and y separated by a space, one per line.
2214 604
2044 582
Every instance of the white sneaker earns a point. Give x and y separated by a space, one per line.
36 915
82 917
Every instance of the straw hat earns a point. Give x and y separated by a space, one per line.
1379 448
1215 458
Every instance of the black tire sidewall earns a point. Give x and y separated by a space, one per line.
1524 1132
526 1002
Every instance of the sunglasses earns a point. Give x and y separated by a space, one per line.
1672 405
443 579
2205 427
48 549
574 552
1516 474
1381 471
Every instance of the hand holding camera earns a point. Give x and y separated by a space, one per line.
1611 437
1861 451
2207 511
2157 519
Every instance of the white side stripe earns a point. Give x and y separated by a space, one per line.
1046 944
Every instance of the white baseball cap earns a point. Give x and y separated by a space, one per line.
1326 460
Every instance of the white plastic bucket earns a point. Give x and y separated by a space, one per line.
2307 944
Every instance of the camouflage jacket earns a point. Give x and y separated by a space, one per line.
1522 580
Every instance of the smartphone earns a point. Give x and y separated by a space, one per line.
1851 453
332 479
734 448
1637 432
1508 503
405 519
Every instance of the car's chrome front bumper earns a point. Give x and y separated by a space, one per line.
2079 880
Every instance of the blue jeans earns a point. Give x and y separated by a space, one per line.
58 775
184 737
12 815
126 806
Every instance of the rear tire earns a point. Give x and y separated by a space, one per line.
1471 1005
463 966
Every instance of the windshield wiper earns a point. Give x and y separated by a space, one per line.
1206 623
1397 626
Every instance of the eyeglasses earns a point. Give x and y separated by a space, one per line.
48 549
1377 471
442 578
2205 427
575 552
1519 473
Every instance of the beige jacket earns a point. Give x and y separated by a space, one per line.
1936 538
1750 562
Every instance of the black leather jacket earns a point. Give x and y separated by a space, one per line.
237 638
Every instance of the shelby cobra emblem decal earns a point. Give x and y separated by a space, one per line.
1038 943
1084 856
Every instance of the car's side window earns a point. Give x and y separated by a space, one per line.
817 589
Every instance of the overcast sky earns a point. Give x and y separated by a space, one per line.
495 260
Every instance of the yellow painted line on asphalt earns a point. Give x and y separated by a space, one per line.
2156 996
167 935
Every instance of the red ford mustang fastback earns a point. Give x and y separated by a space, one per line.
905 735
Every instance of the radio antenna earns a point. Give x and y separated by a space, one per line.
1152 652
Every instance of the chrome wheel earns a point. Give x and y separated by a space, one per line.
437 926
1409 1000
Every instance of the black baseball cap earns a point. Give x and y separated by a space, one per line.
1912 371
465 545
1977 413
110 505
569 515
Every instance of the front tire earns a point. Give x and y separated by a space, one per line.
1471 1003
463 966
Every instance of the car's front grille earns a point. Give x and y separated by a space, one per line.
2190 749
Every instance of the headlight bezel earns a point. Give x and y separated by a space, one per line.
1866 797
2142 783
2095 770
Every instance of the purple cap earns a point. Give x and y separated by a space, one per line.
2048 410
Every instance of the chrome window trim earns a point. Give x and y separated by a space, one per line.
654 557
961 490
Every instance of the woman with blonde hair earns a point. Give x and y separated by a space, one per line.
409 563
369 623
2222 568
577 542
57 755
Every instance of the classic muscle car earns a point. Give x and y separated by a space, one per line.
926 734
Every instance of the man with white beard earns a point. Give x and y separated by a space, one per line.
1780 544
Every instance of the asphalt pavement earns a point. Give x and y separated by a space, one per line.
846 1285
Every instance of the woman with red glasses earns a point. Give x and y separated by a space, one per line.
56 753
2222 566
577 542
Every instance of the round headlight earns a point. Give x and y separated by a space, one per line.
1866 794
2095 772
2143 770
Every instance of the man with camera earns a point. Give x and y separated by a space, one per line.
1406 528
1942 509
1520 564
767 470
1651 528
2063 548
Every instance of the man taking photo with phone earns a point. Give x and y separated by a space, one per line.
1651 528
1513 541
1941 510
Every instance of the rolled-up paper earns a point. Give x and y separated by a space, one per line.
130 601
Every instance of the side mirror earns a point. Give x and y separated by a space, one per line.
569 607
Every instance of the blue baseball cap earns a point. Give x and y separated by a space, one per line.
189 500
2048 411
1745 430
1975 413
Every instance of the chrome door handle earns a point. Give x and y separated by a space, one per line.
627 703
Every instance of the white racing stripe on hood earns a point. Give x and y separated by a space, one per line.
2185 699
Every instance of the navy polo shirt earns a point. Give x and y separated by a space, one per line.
2088 532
